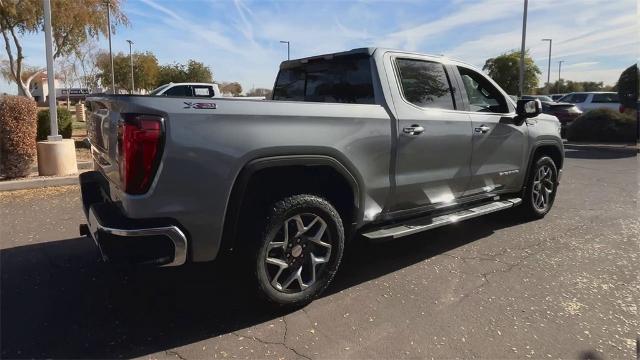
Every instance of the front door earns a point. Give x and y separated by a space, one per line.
433 140
498 156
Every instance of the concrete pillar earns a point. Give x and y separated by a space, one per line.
56 158
80 112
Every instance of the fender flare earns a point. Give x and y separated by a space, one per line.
534 148
236 198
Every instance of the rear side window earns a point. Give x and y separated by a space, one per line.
181 90
425 84
202 91
605 98
344 79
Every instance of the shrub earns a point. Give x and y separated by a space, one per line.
629 87
603 125
65 123
17 135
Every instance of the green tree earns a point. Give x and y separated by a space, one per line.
505 70
73 21
231 88
628 87
145 70
193 71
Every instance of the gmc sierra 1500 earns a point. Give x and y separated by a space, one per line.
370 142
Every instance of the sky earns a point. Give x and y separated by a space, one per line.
240 40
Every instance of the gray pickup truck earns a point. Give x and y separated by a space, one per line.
370 142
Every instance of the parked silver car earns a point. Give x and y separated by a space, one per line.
586 101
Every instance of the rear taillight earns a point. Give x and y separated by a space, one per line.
621 109
140 139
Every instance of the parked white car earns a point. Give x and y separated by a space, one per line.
586 101
204 90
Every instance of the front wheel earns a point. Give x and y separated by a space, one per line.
542 185
300 250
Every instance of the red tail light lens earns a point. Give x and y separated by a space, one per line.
140 139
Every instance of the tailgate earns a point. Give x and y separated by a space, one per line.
102 131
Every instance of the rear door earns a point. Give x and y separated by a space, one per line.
498 155
433 137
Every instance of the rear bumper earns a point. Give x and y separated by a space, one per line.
121 239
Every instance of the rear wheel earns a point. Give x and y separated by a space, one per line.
300 249
541 188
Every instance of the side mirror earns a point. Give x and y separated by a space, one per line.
528 108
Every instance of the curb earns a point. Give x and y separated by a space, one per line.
39 182
620 148
82 165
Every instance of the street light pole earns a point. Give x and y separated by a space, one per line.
288 48
131 61
53 112
549 66
559 73
113 81
522 48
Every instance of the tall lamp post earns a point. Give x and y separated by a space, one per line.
549 65
131 62
113 81
56 156
48 42
288 48
522 48
559 74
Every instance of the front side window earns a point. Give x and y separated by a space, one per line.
425 84
481 94
578 98
180 90
345 79
606 98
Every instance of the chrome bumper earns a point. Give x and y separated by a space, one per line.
147 241
176 236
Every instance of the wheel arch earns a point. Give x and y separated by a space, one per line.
252 170
548 148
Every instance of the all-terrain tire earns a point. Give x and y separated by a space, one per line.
272 251
541 187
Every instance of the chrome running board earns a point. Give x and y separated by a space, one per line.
431 222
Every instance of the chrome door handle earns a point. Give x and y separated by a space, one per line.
483 129
413 130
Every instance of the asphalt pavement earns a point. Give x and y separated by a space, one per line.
494 287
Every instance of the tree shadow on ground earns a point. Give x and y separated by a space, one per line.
59 302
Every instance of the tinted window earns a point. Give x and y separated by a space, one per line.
605 98
345 79
157 90
202 91
482 95
182 90
579 98
425 83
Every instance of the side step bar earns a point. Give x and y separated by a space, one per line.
427 223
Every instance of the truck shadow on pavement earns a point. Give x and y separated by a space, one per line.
59 302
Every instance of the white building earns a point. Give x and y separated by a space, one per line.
39 88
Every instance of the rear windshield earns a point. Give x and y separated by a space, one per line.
344 79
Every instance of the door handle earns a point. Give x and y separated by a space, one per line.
413 130
483 129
